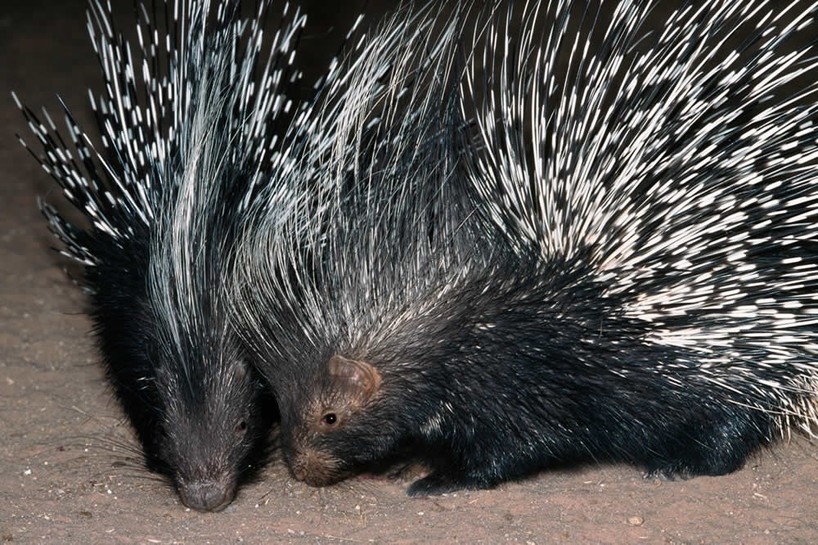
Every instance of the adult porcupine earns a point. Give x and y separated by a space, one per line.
655 299
187 123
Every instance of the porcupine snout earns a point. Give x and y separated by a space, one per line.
313 467
204 484
207 495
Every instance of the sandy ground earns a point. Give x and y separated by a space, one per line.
70 471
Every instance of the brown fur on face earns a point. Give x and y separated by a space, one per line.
316 468
348 386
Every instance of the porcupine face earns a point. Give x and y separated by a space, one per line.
332 430
201 413
214 423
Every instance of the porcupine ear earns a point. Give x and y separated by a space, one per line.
362 379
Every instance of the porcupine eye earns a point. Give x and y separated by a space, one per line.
241 427
329 419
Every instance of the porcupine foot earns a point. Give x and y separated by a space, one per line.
443 479
440 482
719 450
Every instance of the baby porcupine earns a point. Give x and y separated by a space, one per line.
654 299
188 123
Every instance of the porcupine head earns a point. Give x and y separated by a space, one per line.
331 428
346 388
212 426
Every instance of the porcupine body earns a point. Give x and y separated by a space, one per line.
188 120
641 284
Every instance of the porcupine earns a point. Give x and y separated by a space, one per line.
188 122
653 298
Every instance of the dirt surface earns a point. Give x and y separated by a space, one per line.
70 470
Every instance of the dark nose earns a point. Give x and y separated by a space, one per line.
206 495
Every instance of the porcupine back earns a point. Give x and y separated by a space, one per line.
682 175
654 299
188 123
392 117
